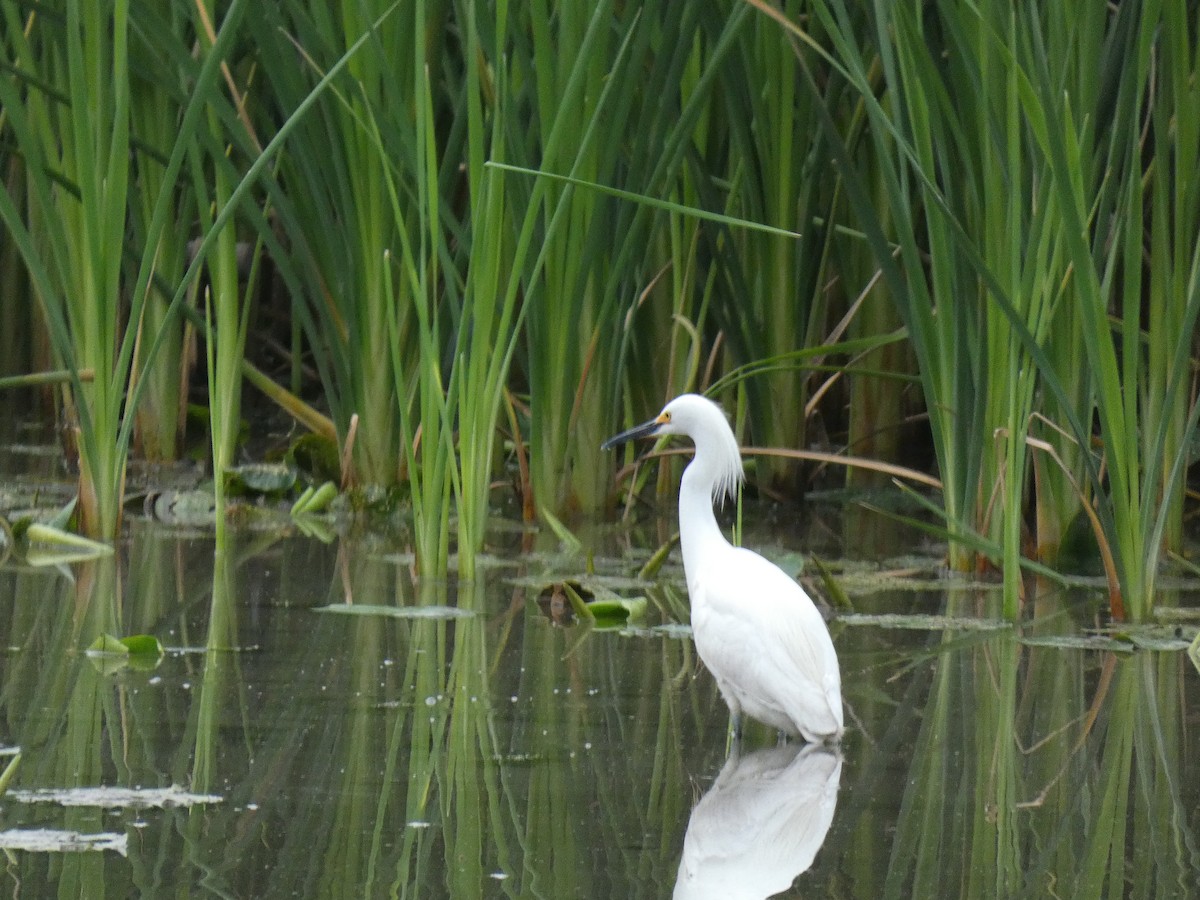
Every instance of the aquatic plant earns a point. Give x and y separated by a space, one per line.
67 103
1028 231
820 206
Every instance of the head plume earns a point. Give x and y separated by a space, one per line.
716 446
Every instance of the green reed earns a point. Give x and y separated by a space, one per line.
570 61
72 128
156 103
491 304
582 66
1016 253
367 179
1141 389
356 150
1029 232
227 313
68 109
1173 292
775 286
1018 185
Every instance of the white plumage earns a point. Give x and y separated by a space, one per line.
756 629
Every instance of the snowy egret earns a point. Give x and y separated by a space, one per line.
756 629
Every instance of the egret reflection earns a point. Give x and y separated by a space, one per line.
761 823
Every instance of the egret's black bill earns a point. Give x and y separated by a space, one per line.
646 429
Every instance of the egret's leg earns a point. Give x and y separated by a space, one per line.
733 742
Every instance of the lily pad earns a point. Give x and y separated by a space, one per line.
591 601
1080 642
112 797
923 623
134 645
619 612
261 478
53 840
107 645
184 507
397 612
110 654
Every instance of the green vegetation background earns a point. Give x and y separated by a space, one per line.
465 241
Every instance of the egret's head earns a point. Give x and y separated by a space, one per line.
705 423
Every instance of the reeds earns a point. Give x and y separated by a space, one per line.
1019 223
67 105
1016 186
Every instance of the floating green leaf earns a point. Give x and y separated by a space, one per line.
618 613
107 645
592 604
143 645
36 532
110 654
314 500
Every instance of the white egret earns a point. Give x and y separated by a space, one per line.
756 629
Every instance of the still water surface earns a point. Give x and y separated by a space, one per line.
476 747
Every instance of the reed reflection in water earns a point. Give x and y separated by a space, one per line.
495 753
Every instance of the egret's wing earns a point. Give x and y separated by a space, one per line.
762 632
804 637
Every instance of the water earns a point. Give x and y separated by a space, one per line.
499 754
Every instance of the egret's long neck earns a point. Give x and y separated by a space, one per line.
699 533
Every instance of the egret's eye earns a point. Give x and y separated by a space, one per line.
664 418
